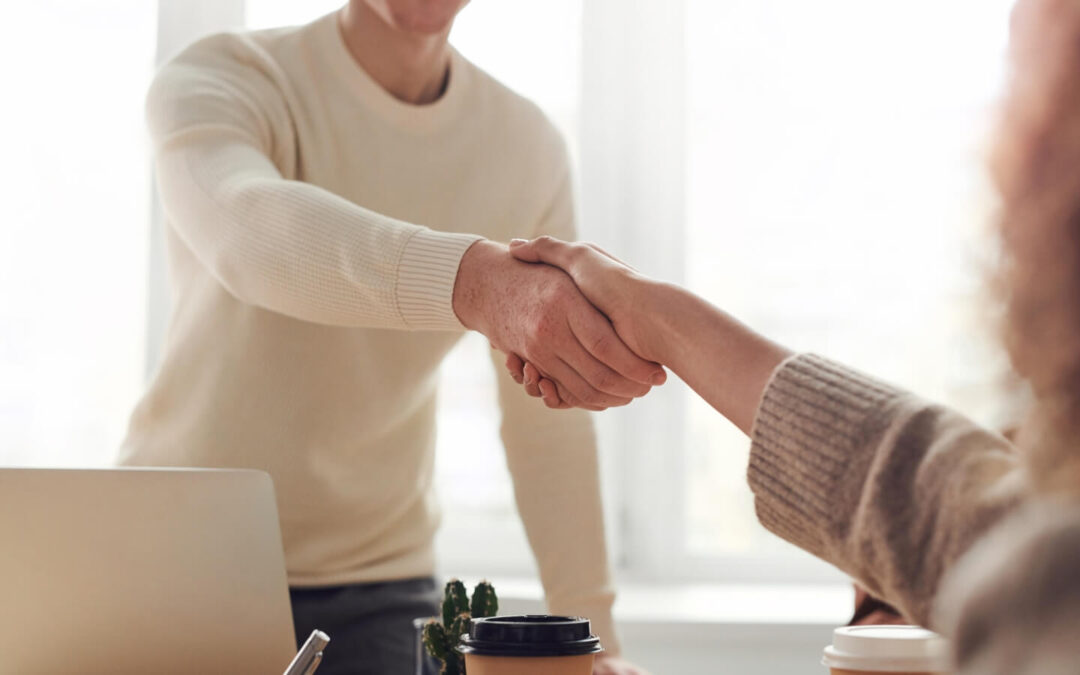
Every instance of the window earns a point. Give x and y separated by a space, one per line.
74 240
835 199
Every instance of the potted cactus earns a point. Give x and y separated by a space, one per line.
442 636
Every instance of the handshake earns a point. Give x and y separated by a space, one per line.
568 316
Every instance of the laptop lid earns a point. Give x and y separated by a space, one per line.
141 571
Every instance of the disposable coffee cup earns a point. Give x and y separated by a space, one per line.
530 645
869 650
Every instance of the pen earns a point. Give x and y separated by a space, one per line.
310 655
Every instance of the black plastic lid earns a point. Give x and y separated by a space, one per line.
531 635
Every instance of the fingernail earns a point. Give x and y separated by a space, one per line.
659 378
514 243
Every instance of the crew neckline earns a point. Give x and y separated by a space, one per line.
425 118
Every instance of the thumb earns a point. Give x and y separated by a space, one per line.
523 250
542 250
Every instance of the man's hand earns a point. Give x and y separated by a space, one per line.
612 665
537 313
612 286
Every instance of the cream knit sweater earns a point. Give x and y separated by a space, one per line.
315 227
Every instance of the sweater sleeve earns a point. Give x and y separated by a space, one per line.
887 487
221 131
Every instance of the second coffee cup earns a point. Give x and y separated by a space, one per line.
876 650
530 645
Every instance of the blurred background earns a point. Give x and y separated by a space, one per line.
813 167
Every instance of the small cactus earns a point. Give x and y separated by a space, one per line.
484 601
442 639
435 639
455 601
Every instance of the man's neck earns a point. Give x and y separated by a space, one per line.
413 68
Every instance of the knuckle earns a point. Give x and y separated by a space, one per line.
605 380
555 293
533 346
593 398
603 346
542 325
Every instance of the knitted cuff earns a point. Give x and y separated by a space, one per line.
807 441
426 273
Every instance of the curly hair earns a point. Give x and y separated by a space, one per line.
1036 166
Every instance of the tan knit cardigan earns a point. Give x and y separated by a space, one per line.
924 508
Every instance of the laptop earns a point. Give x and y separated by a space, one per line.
148 571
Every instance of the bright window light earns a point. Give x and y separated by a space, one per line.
74 239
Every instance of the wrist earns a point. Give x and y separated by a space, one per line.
662 306
472 285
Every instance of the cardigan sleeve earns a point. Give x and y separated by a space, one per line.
889 488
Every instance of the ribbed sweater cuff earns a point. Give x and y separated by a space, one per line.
809 436
426 273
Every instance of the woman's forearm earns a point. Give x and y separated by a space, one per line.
723 360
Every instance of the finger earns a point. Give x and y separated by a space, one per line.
516 366
532 378
542 250
566 399
550 393
557 395
634 375
573 389
599 376
581 393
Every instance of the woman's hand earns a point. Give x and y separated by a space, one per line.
612 286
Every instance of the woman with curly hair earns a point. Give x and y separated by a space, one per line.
962 530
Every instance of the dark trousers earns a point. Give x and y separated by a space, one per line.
370 625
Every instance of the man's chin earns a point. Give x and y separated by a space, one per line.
432 22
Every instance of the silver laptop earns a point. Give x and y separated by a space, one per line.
142 571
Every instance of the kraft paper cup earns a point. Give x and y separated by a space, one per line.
530 645
870 650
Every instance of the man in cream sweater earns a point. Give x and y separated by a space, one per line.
333 193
